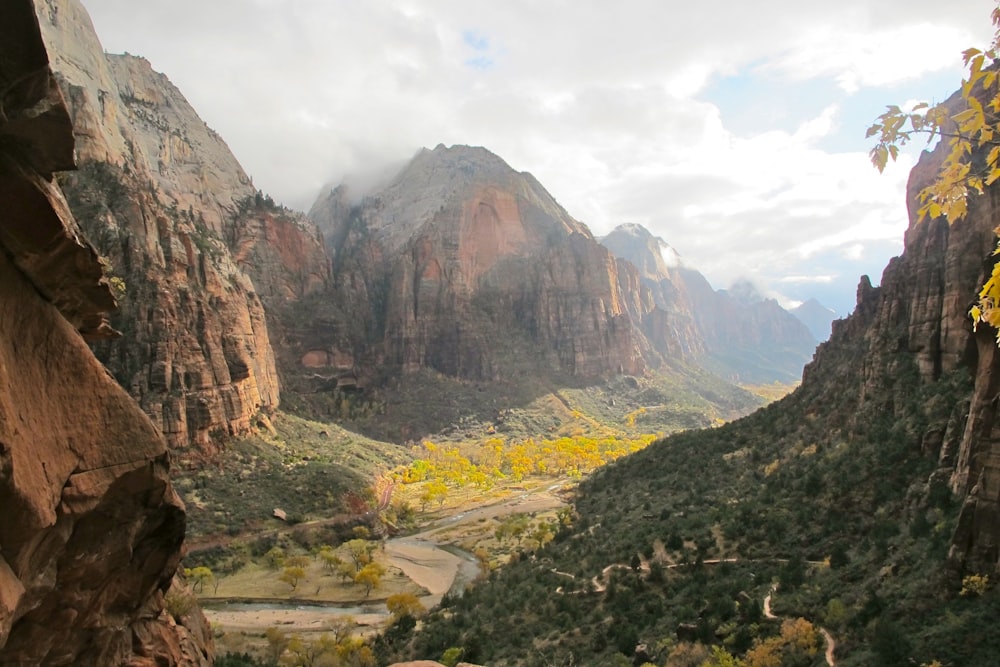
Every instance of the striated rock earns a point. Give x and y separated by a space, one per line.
127 115
92 528
913 329
465 266
669 321
736 333
194 250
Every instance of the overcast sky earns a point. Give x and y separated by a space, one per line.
733 129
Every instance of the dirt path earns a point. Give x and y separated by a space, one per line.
831 643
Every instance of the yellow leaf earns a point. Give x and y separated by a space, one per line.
964 116
968 55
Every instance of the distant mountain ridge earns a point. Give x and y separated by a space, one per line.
736 333
816 316
459 265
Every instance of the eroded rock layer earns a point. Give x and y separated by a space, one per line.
193 249
92 529
914 329
464 266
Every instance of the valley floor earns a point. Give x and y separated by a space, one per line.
435 560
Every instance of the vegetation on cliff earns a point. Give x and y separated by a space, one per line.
849 523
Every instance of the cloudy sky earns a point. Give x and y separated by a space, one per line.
734 129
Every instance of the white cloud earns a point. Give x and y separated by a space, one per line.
867 58
598 101
807 279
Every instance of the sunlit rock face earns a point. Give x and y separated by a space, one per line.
92 529
462 265
198 254
737 333
913 329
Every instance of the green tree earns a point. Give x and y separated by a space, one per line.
451 656
275 558
721 658
836 613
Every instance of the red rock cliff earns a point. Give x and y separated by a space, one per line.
92 529
472 269
195 249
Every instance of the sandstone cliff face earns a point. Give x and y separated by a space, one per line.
195 249
914 329
669 324
92 528
471 269
742 337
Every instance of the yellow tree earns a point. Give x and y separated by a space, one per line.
972 161
198 576
277 642
292 575
404 604
370 576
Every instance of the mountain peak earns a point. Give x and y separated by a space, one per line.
745 291
449 179
816 316
653 256
470 160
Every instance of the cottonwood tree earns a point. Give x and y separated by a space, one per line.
292 575
404 604
971 127
198 576
360 552
370 576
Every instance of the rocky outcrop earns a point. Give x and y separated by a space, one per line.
92 528
193 248
472 269
914 329
669 323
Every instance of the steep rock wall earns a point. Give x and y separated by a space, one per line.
913 329
92 528
194 249
470 268
747 340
